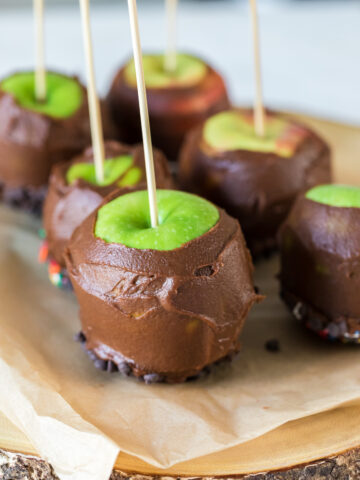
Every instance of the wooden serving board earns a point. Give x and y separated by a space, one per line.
322 446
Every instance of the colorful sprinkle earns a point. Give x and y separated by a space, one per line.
43 252
57 274
54 268
42 233
331 330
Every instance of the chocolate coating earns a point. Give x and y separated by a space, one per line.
66 206
126 368
256 188
173 111
320 267
31 142
164 313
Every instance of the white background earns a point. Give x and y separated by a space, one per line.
310 49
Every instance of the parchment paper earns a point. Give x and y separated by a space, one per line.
79 418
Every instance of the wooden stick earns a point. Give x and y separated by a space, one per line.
144 114
259 112
40 73
170 51
93 100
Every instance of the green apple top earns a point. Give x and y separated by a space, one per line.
119 170
335 195
234 130
189 72
182 218
64 94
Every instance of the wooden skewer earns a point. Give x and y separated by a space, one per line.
40 73
144 114
259 112
93 100
170 52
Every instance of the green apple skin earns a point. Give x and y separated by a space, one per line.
189 71
182 218
114 169
345 196
64 94
131 177
234 130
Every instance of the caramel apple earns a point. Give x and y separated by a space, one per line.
74 193
177 101
36 135
320 268
161 303
255 179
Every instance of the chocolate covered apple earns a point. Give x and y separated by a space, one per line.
160 302
74 193
320 262
256 179
36 135
178 101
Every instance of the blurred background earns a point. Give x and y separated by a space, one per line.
310 48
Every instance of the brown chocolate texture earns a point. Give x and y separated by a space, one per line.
256 188
320 265
66 206
173 111
166 313
31 142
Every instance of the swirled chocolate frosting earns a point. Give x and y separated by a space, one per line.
320 265
67 205
31 142
257 188
173 111
168 313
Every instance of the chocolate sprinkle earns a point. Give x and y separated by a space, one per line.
318 322
128 369
28 199
272 345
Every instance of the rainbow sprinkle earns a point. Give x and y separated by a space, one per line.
333 331
57 274
43 254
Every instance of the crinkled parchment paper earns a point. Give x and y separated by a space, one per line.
79 418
